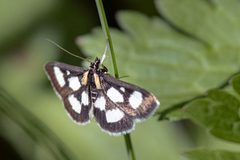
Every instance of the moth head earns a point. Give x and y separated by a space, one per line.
95 64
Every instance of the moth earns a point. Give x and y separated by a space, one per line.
88 93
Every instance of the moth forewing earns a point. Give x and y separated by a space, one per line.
66 82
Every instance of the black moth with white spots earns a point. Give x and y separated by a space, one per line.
116 105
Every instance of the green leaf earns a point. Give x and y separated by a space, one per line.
170 64
216 23
236 83
203 154
218 113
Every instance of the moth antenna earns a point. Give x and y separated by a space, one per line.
104 57
68 51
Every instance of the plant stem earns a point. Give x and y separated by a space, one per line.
106 32
129 146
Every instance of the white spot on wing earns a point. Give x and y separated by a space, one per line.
115 95
114 115
100 103
59 76
68 73
76 105
74 83
135 99
85 98
122 89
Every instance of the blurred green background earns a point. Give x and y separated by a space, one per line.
39 128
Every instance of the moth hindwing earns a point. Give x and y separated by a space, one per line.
117 105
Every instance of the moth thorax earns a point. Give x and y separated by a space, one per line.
94 80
